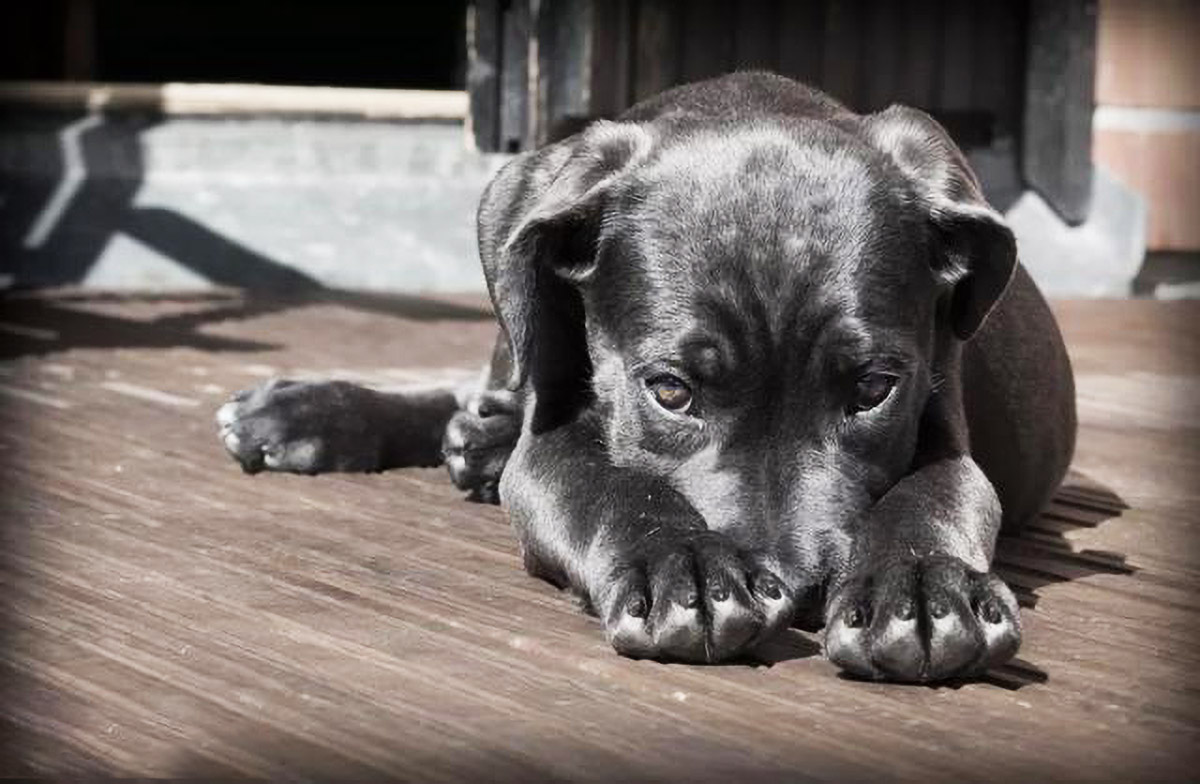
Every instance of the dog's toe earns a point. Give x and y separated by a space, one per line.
922 620
476 447
844 644
697 600
271 428
627 626
227 414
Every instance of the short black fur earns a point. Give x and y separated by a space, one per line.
772 254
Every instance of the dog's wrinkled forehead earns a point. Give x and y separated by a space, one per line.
755 198
766 224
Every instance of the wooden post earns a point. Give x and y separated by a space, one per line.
1059 99
483 72
530 77
612 56
564 67
516 121
656 63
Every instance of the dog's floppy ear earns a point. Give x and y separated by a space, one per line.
977 254
549 240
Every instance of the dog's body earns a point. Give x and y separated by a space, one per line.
759 355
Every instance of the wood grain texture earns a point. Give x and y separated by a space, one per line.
485 41
1056 138
656 56
167 616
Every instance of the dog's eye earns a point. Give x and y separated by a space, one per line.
670 393
871 390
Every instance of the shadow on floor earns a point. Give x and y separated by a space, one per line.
63 208
38 325
1042 555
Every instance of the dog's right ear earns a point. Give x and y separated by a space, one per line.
977 253
540 221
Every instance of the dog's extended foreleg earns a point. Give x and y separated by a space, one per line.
664 585
918 600
311 427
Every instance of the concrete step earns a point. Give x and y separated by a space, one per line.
128 201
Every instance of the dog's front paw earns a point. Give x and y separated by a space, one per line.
301 427
922 619
478 442
696 599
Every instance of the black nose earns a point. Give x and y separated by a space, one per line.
810 608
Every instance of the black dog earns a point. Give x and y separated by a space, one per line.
758 352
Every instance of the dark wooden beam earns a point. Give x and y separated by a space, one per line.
1059 99
484 52
656 68
841 68
516 131
612 56
564 30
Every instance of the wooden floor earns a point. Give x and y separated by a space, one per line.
166 615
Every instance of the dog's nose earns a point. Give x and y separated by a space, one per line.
810 608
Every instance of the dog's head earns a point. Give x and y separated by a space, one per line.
760 313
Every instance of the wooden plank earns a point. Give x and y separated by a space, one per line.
564 68
842 65
922 32
707 40
999 66
883 55
168 616
801 40
657 65
957 58
612 57
516 123
485 35
756 39
1059 87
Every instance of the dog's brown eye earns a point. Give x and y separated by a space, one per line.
872 389
671 393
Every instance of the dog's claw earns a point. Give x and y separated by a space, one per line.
691 601
477 443
294 426
875 629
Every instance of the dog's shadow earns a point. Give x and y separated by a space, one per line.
1038 556
1041 555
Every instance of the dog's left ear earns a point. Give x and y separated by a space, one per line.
977 253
